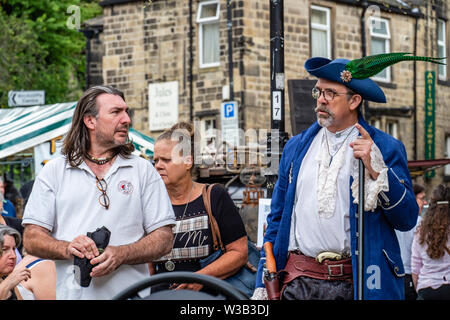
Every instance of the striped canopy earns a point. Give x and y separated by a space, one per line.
25 127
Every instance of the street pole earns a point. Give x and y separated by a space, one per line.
277 138
230 49
361 231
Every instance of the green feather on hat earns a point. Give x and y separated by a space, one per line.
371 65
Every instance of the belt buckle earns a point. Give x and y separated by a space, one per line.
341 273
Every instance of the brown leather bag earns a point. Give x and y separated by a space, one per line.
217 240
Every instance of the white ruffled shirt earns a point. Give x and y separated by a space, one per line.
321 211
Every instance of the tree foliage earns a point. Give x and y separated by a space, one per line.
40 50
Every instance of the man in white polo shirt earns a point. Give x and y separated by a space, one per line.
98 182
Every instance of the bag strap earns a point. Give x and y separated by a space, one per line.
217 240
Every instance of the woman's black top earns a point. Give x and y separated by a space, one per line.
192 232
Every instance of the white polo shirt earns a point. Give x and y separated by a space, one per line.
65 200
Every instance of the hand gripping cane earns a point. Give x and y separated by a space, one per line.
361 232
270 274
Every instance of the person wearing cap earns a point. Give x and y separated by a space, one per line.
312 224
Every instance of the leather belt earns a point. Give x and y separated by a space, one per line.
301 265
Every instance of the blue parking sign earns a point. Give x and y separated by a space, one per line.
228 110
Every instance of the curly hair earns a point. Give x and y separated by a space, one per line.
435 226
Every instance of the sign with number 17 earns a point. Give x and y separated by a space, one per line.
276 105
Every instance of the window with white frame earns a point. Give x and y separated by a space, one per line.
392 128
320 32
208 22
380 37
442 48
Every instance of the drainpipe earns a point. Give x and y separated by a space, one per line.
230 49
415 89
191 63
364 5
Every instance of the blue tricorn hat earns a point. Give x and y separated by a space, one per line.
335 71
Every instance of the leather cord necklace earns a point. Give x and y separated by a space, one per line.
99 161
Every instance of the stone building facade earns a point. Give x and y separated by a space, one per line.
148 42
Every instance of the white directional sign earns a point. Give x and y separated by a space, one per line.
26 98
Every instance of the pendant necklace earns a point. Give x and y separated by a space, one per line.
328 147
170 265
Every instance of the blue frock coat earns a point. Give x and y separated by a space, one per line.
397 209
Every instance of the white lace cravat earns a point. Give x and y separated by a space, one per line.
329 168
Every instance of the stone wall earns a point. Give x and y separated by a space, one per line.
149 43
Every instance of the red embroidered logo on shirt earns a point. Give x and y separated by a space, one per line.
125 187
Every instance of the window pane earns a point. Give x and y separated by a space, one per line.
391 128
441 30
378 46
319 17
441 50
441 68
210 124
379 27
210 43
319 43
375 123
208 10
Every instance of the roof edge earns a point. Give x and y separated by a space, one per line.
105 3
392 9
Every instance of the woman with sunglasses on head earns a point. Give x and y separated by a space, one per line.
430 261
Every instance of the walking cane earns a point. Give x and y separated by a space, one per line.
361 232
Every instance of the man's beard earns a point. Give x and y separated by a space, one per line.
110 142
324 121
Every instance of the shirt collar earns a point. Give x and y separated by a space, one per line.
119 162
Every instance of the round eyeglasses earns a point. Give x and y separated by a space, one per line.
328 94
103 199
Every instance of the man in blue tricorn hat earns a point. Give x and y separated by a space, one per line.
312 224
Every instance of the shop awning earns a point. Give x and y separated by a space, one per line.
25 127
420 167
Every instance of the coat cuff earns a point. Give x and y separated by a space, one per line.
396 192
